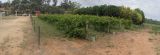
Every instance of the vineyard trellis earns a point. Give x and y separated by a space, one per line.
80 26
37 30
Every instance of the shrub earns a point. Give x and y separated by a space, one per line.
77 25
137 18
114 11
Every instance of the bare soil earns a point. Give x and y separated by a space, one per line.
17 37
155 39
123 43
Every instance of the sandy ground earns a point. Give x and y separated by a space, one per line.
16 37
125 43
155 38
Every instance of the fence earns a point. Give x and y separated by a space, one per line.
0 19
37 30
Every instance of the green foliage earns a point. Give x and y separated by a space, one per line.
54 2
156 29
142 14
154 26
150 21
126 12
137 18
78 25
51 10
69 5
44 6
136 15
102 10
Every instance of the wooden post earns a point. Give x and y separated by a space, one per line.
16 13
120 26
33 23
88 36
108 27
31 19
39 36
34 26
86 29
0 19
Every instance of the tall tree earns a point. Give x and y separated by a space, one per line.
142 14
55 2
0 4
15 5
67 4
23 6
46 2
36 4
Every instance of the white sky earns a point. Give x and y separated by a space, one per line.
151 8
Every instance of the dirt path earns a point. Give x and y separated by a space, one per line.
155 38
124 43
16 37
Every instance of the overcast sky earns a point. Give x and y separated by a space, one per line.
151 8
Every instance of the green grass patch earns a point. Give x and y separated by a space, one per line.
155 28
46 30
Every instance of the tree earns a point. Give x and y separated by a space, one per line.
0 2
137 18
113 11
43 6
23 6
54 2
15 5
151 21
7 7
46 2
102 10
36 5
51 10
137 15
142 14
66 4
126 12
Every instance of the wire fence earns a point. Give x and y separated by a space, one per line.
0 19
42 31
37 30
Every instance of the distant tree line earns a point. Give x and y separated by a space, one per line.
44 6
0 4
151 21
136 15
66 6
